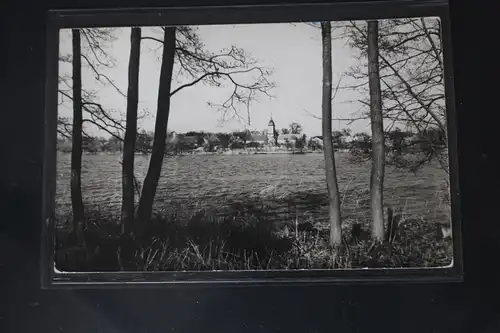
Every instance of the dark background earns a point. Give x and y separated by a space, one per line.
472 306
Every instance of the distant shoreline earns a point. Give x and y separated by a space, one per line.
225 153
230 153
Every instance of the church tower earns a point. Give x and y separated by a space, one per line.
271 132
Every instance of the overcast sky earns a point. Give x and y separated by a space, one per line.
292 51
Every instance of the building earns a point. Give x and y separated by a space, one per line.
274 138
272 134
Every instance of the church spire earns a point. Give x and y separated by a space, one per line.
271 133
271 121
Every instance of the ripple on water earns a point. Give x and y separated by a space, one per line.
211 180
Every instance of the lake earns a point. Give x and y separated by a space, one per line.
288 182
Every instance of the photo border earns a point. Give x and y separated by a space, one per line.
66 19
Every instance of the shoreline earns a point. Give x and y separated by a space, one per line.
204 153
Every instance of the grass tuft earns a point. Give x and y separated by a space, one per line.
246 238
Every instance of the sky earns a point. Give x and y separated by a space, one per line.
293 51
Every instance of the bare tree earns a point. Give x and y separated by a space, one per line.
128 196
331 173
76 151
232 66
412 82
144 211
377 125
95 57
85 45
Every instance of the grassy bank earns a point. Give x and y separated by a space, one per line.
246 238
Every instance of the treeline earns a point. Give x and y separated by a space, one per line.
183 142
396 141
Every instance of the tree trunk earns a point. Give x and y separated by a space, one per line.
145 209
378 155
76 149
128 195
331 173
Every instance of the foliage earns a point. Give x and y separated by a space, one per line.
300 143
295 128
402 144
338 139
314 144
211 142
244 136
254 145
289 145
224 139
144 142
285 131
235 142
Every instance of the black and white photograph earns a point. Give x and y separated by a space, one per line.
287 146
